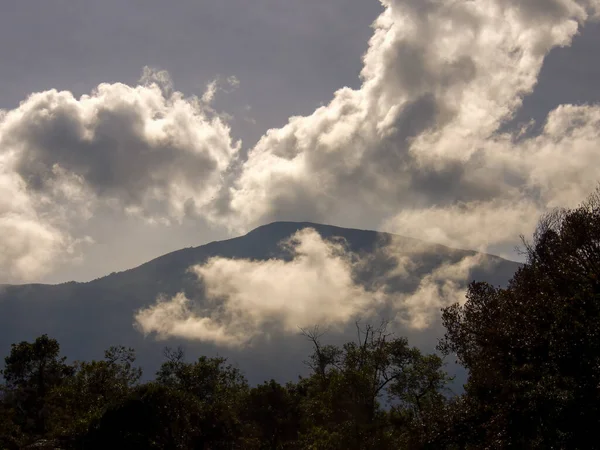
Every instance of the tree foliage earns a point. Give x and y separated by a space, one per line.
346 396
374 393
31 371
533 348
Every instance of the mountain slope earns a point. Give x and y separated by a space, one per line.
86 318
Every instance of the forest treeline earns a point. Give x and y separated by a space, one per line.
532 351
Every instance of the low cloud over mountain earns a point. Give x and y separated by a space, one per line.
248 297
322 283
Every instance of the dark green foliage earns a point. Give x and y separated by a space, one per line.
152 416
84 396
207 404
31 372
533 349
45 398
343 400
272 416
217 390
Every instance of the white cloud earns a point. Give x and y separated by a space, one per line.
472 225
210 92
416 149
418 143
528 177
226 85
161 78
174 318
319 285
29 243
443 286
418 278
249 298
142 150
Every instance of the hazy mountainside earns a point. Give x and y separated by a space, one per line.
86 318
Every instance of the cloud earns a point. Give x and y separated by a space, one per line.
29 243
416 149
417 279
161 78
418 143
248 298
144 150
533 175
320 284
443 286
175 318
226 85
472 225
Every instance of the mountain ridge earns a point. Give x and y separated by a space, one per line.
289 226
88 317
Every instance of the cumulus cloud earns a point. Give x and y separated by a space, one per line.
159 77
417 279
472 225
417 149
419 144
318 285
29 240
144 150
553 169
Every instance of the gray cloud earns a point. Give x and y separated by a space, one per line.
130 149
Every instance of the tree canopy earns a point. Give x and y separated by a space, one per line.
533 348
375 393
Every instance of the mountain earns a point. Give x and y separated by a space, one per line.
87 318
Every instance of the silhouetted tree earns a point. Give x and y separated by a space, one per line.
219 390
272 417
151 416
533 349
30 373
94 386
344 397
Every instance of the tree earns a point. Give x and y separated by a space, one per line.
345 395
11 436
376 393
152 416
533 348
219 390
190 405
30 372
272 414
94 386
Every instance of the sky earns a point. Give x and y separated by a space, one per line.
132 128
